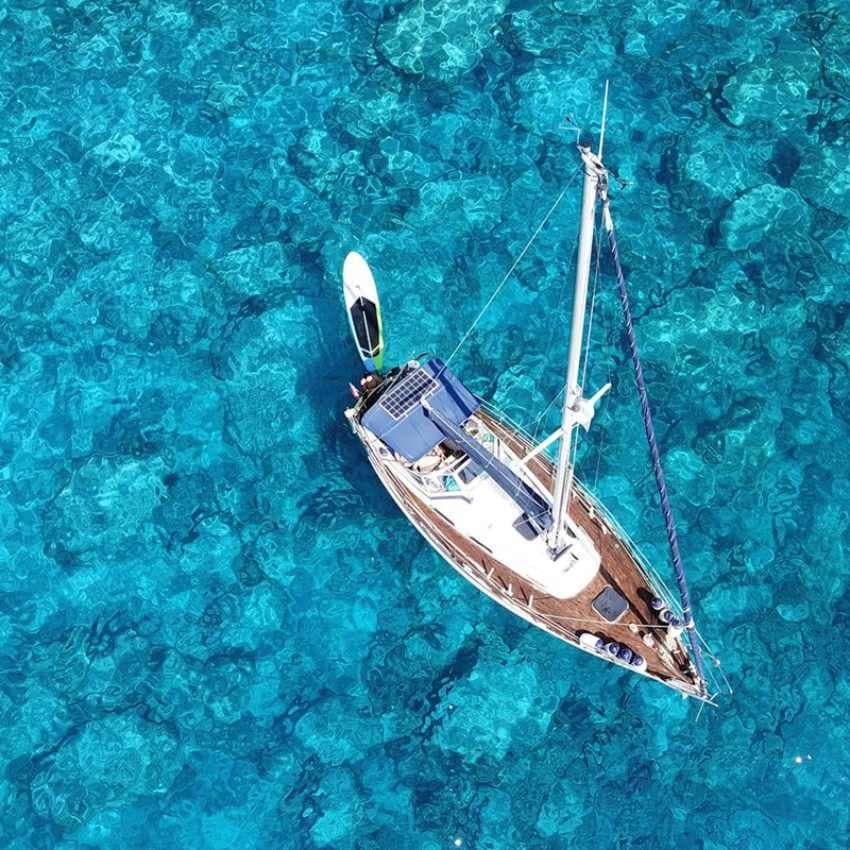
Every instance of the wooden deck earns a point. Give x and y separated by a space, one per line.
564 618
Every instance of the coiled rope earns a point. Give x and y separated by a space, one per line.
646 413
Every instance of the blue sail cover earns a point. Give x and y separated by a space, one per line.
533 505
430 404
399 419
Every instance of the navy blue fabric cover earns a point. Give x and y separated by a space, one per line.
414 435
533 505
448 405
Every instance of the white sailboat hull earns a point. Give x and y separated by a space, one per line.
512 586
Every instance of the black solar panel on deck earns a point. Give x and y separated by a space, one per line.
399 400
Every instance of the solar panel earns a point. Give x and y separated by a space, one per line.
399 400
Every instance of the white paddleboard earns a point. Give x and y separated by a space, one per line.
363 310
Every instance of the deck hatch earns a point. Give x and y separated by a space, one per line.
609 604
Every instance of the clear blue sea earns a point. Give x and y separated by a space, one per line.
217 631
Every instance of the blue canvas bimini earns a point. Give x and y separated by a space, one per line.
430 404
399 419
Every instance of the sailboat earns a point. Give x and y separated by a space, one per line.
519 526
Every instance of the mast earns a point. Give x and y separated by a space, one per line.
573 401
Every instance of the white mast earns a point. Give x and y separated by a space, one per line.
577 409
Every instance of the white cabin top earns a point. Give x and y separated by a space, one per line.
481 511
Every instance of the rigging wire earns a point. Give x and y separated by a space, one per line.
601 440
539 419
655 455
598 459
505 279
558 316
515 263
596 232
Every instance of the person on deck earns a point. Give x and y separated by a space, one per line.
369 382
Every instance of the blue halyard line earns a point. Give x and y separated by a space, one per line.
666 510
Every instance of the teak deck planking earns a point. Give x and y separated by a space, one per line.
565 618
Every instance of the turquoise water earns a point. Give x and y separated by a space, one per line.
217 630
